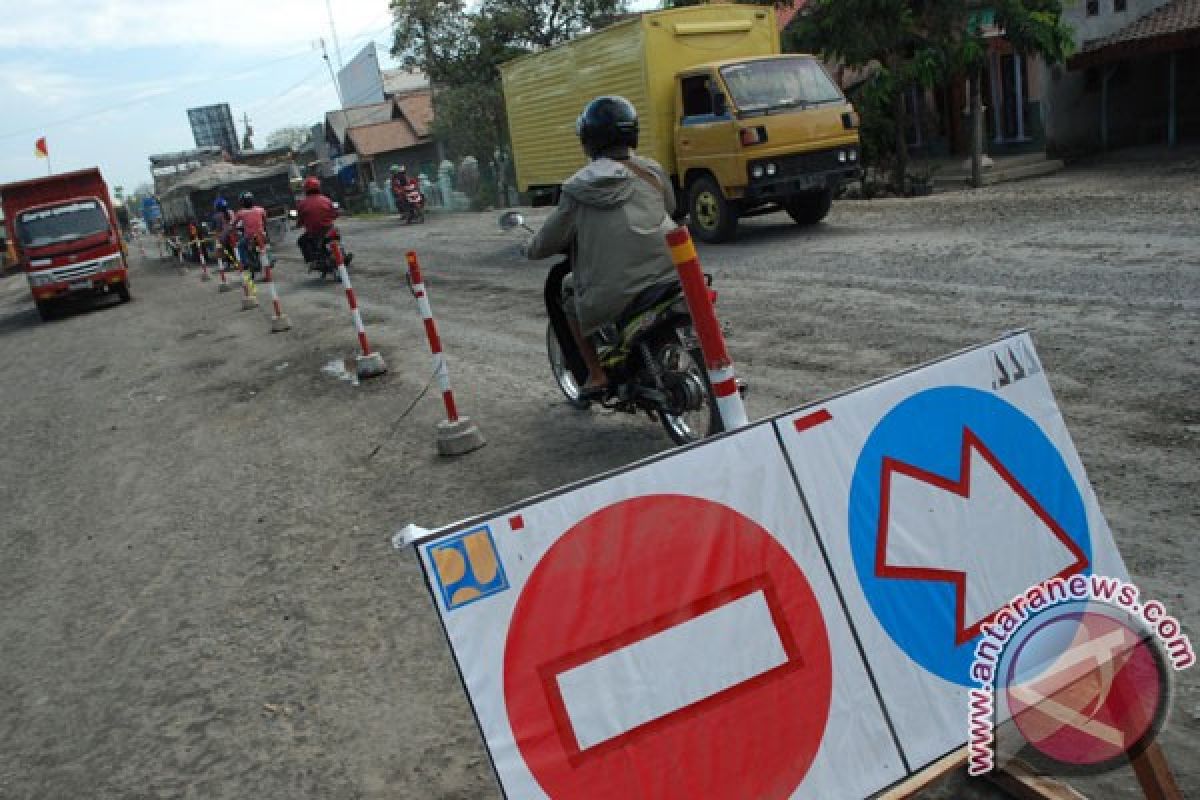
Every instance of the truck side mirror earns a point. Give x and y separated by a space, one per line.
720 104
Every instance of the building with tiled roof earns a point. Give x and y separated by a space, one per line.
1132 78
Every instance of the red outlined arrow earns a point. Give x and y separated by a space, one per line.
984 533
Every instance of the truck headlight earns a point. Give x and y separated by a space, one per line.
756 171
36 279
854 155
771 170
842 156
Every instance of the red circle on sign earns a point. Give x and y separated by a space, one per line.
636 569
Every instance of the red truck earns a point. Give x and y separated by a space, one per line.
66 237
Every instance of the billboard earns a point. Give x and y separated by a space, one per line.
361 81
212 126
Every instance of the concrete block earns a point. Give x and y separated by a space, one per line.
458 437
280 323
249 301
369 366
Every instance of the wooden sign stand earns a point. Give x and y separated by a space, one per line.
1020 781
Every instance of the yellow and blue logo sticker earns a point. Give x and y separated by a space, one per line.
467 567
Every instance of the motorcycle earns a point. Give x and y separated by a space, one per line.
650 354
413 207
323 264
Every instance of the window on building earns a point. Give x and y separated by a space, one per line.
1093 7
1119 5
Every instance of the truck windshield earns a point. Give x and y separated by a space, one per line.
64 223
779 83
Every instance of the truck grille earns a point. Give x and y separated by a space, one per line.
76 271
73 272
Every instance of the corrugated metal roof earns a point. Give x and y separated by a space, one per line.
1172 26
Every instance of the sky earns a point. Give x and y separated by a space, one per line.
108 82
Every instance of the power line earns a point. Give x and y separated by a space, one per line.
179 87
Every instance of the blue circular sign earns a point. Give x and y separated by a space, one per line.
926 431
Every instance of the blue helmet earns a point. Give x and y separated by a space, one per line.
221 205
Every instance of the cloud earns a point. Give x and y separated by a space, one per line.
89 25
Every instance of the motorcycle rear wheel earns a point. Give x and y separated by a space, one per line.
684 374
562 373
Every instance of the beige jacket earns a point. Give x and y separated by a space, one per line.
614 223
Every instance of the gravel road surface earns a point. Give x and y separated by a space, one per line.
198 594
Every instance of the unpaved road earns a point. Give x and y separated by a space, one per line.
197 594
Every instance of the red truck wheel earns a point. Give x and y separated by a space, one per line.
45 310
123 291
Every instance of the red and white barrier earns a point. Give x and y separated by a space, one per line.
279 320
224 285
457 435
370 363
721 375
196 243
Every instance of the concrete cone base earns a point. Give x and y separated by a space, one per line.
369 366
280 323
226 287
249 301
459 437
204 276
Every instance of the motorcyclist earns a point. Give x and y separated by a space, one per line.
612 219
251 220
316 214
401 184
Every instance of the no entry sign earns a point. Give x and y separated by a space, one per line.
668 632
621 674
782 612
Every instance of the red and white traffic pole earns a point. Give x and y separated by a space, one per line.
196 243
721 375
369 363
224 285
279 321
457 435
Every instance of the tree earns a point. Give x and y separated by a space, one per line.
461 52
293 136
918 43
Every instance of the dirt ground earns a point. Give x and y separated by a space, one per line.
198 594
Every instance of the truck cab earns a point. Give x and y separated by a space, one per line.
66 237
758 135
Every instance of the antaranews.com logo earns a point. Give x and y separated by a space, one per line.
1078 669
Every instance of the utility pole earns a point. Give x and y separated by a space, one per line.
336 87
337 48
246 143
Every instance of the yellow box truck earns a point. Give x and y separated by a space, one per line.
742 129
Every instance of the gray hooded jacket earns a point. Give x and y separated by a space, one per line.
614 222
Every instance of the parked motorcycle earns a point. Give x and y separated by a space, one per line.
650 355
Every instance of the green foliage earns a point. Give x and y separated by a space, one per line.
293 136
460 49
916 43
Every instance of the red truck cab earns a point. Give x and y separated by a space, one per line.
66 236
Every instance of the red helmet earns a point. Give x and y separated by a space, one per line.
312 184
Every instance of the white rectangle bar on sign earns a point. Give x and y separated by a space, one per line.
670 670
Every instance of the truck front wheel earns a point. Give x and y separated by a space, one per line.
123 291
809 208
713 218
45 309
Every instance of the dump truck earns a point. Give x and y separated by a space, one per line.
66 237
741 128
